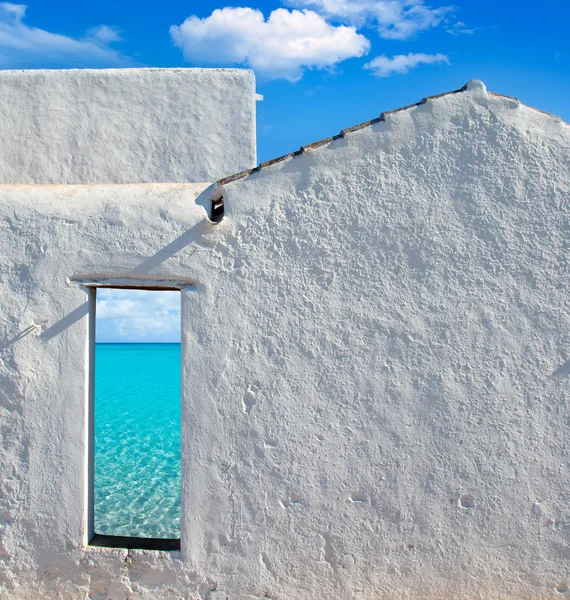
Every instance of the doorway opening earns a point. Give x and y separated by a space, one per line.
135 454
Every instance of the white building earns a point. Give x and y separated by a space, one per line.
376 341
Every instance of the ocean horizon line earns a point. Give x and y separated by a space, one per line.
138 343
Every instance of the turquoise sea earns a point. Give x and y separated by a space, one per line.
137 440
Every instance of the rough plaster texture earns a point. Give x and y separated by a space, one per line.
375 377
125 125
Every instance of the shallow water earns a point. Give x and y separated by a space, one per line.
137 440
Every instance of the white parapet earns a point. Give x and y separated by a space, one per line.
125 125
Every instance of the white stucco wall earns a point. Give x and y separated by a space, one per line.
375 383
125 125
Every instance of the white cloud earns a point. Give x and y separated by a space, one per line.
382 66
103 34
394 19
282 46
25 46
460 28
137 316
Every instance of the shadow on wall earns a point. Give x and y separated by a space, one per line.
18 336
68 320
187 238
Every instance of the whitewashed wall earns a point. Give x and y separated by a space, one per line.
375 369
125 125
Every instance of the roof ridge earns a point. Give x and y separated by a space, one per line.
469 85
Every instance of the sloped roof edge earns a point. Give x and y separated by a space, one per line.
468 86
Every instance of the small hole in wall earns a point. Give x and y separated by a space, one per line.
136 487
466 501
217 210
562 588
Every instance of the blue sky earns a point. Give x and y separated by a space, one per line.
137 316
321 65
